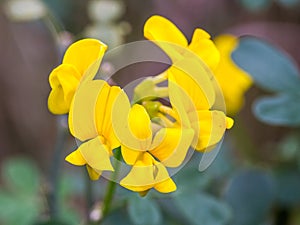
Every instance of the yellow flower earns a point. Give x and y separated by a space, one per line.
233 81
193 98
65 78
141 148
90 121
160 29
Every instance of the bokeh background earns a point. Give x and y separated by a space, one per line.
255 179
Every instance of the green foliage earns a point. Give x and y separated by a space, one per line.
200 208
251 195
273 71
143 211
288 184
20 203
281 109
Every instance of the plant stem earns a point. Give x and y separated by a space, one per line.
111 187
55 169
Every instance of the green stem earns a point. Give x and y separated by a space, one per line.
111 187
55 169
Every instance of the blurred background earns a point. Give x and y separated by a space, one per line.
255 179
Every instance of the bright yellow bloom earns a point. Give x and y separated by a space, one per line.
192 98
65 78
141 148
90 121
233 81
160 29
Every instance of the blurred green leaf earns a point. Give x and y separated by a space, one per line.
270 67
18 209
288 184
251 194
282 109
21 175
256 5
119 216
143 211
200 208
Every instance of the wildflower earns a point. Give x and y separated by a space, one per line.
80 62
193 96
90 121
162 31
233 81
148 153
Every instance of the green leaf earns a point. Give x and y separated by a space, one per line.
282 110
288 184
200 208
251 194
143 211
21 176
270 67
256 5
18 210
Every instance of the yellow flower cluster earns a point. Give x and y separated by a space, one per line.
152 136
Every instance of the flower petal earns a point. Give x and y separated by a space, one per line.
82 122
233 81
130 156
195 81
205 48
76 158
172 145
159 28
96 154
141 176
64 81
93 174
105 103
131 126
212 126
82 54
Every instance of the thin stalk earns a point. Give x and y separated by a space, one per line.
55 170
111 187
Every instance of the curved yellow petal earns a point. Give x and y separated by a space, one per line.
96 154
195 81
158 28
172 145
139 122
146 174
131 134
106 101
64 81
130 156
76 158
233 81
212 126
82 123
82 54
93 174
205 48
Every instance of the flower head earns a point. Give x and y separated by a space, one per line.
90 121
149 153
79 62
233 81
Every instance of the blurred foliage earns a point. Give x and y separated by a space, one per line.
273 71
